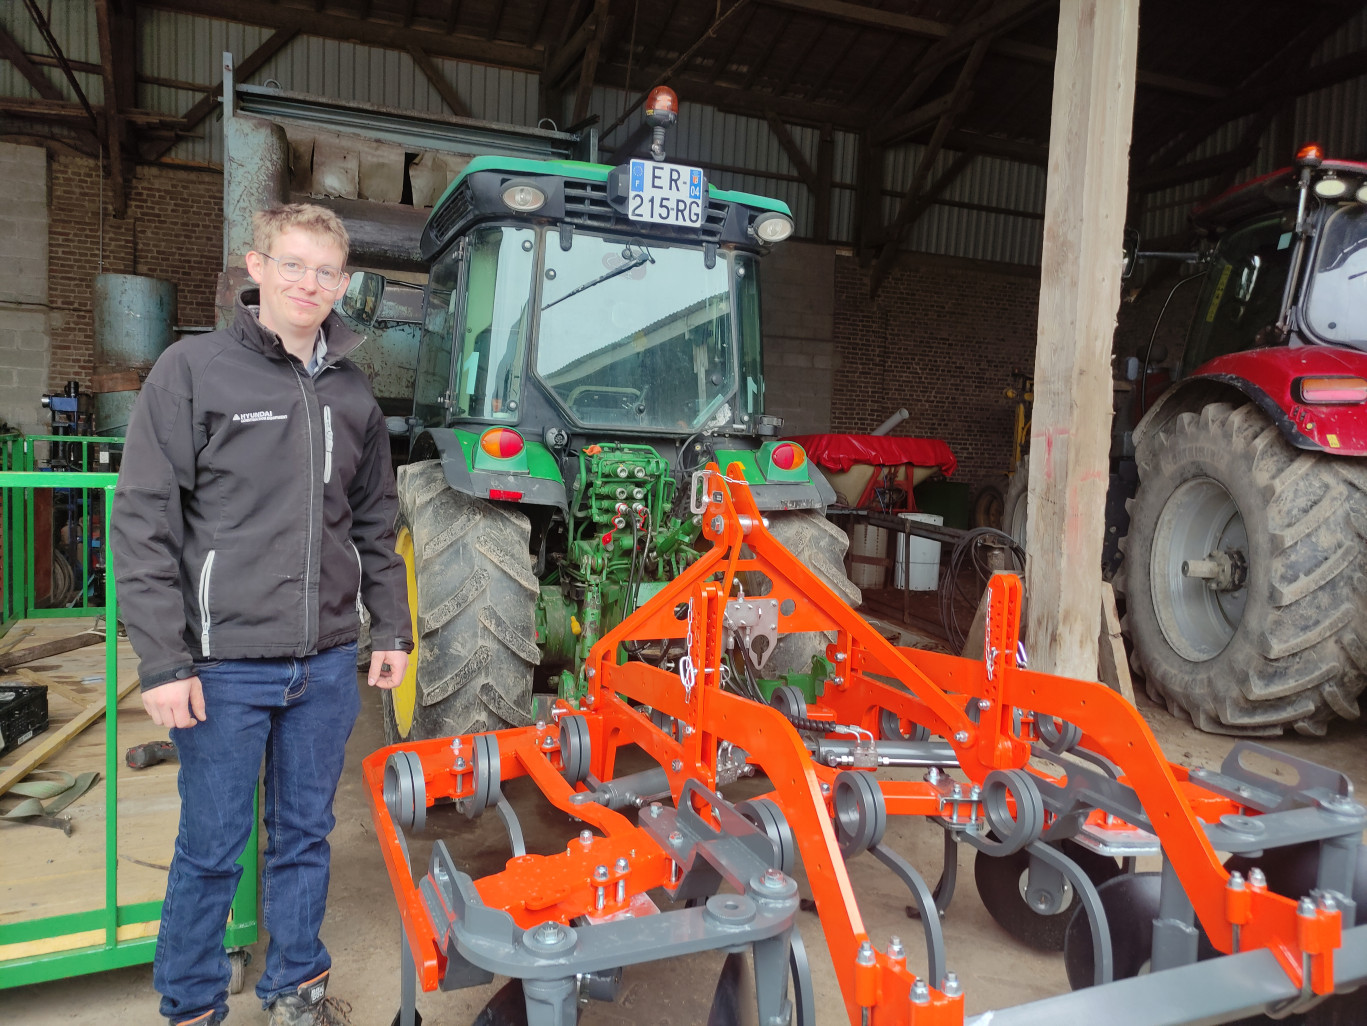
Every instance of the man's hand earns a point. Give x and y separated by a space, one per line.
387 669
179 703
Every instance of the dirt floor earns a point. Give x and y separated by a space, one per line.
362 928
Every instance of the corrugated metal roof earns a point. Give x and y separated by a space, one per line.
74 27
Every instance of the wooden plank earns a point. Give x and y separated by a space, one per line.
11 51
588 70
1113 668
1089 142
50 648
36 752
794 152
43 872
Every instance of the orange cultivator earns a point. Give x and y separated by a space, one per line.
1056 778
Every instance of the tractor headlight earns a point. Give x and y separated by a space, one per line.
523 197
772 227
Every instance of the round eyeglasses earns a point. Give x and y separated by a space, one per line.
327 276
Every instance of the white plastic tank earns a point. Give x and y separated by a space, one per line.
867 545
917 566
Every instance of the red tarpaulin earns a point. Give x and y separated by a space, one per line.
840 452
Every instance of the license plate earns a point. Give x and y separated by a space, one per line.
666 193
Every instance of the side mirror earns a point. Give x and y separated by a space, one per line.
1130 252
361 302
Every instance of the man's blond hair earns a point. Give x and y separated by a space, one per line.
269 224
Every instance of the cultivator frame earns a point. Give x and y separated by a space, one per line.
1045 759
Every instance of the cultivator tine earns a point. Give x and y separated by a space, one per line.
1049 779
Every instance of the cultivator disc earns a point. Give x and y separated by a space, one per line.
1056 783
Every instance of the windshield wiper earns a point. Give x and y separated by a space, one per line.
630 265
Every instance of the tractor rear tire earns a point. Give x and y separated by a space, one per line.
820 545
1014 505
1275 638
474 621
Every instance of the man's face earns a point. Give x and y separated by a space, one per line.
295 307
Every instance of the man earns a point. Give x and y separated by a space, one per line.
254 515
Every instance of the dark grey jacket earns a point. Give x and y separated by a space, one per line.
255 506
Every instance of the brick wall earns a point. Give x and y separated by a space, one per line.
23 285
798 298
941 339
173 230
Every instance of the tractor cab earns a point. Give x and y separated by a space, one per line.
1288 264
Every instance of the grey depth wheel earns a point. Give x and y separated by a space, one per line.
821 546
1241 575
472 596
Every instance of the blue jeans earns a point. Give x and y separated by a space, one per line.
296 714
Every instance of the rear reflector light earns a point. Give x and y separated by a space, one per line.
1331 390
788 456
501 443
500 494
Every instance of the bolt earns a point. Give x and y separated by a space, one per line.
540 724
621 890
621 865
961 736
590 673
676 765
933 775
716 525
956 790
825 787
1199 771
600 873
975 792
895 950
586 838
548 742
1236 881
1257 879
460 764
455 745
676 838
655 810
838 681
920 993
840 657
600 899
866 955
1327 902
673 873
773 879
951 986
1305 907
984 704
548 934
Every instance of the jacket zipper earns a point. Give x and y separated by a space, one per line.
360 576
327 444
309 636
205 573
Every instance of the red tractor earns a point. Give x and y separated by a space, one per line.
1243 570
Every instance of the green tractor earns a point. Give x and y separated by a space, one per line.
590 338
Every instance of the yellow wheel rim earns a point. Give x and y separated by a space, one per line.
405 696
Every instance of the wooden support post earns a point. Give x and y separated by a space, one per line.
1079 294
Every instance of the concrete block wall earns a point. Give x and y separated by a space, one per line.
941 338
23 286
797 291
173 230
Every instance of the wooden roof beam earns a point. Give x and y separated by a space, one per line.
911 209
350 29
439 82
118 58
929 28
245 69
11 51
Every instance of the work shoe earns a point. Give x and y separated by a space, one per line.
309 1005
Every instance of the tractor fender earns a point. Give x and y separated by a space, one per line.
532 489
1193 394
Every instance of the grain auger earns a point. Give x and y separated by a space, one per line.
1058 784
